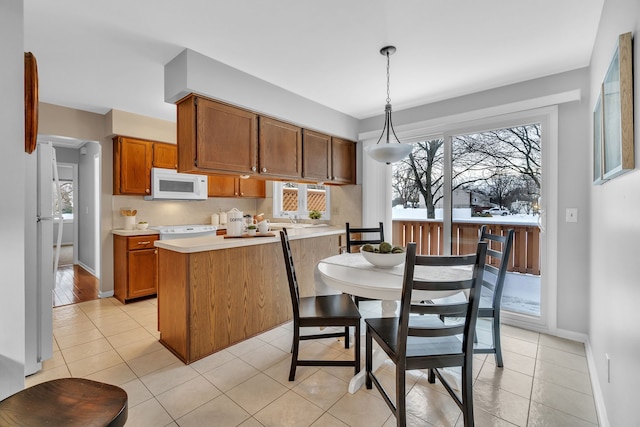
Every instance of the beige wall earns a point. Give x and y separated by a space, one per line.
62 121
346 204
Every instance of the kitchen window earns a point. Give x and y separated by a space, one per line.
294 201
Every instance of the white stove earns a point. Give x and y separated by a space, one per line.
170 232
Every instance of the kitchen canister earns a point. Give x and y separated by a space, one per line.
215 219
223 218
235 223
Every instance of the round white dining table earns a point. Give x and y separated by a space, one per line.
350 273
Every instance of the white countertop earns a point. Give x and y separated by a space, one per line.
212 243
123 232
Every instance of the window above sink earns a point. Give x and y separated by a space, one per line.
293 202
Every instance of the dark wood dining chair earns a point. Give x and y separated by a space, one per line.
319 311
67 402
355 238
495 267
424 341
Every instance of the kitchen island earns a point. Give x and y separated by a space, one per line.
215 292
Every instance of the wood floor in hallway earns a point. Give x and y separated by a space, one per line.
74 284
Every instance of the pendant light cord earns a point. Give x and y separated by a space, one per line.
388 79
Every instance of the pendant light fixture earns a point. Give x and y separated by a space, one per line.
391 150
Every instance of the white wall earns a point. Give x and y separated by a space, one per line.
615 233
191 71
12 215
88 208
573 158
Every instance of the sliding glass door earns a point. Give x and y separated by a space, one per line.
495 181
499 172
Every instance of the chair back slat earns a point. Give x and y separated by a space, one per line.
445 331
494 254
449 285
291 273
467 309
363 241
500 251
441 309
446 260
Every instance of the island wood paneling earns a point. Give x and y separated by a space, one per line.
173 319
210 300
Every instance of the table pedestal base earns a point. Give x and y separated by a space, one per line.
389 308
358 381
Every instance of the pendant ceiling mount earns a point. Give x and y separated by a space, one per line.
391 150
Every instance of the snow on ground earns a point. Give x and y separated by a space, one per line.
462 215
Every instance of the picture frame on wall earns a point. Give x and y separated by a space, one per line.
613 116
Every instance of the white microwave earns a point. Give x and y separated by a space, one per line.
168 184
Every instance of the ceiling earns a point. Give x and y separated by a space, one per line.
102 55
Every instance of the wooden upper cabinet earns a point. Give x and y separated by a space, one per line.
280 149
132 159
222 186
216 137
165 155
229 186
343 161
251 188
316 158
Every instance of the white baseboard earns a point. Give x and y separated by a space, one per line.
601 409
88 269
571 335
105 294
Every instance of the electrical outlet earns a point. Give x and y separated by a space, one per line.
571 215
608 367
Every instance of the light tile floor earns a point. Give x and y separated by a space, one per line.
545 381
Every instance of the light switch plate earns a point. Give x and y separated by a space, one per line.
571 215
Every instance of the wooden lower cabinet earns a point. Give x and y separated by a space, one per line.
208 301
135 260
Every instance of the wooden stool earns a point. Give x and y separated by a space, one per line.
66 402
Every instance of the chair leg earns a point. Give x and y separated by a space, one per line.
357 349
431 377
368 360
294 353
346 337
467 395
496 341
356 299
401 397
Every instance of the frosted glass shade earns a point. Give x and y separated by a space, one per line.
388 152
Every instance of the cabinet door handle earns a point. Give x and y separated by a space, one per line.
147 190
144 243
264 169
253 169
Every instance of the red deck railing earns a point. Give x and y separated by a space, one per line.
428 236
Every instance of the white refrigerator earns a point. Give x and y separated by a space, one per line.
42 252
